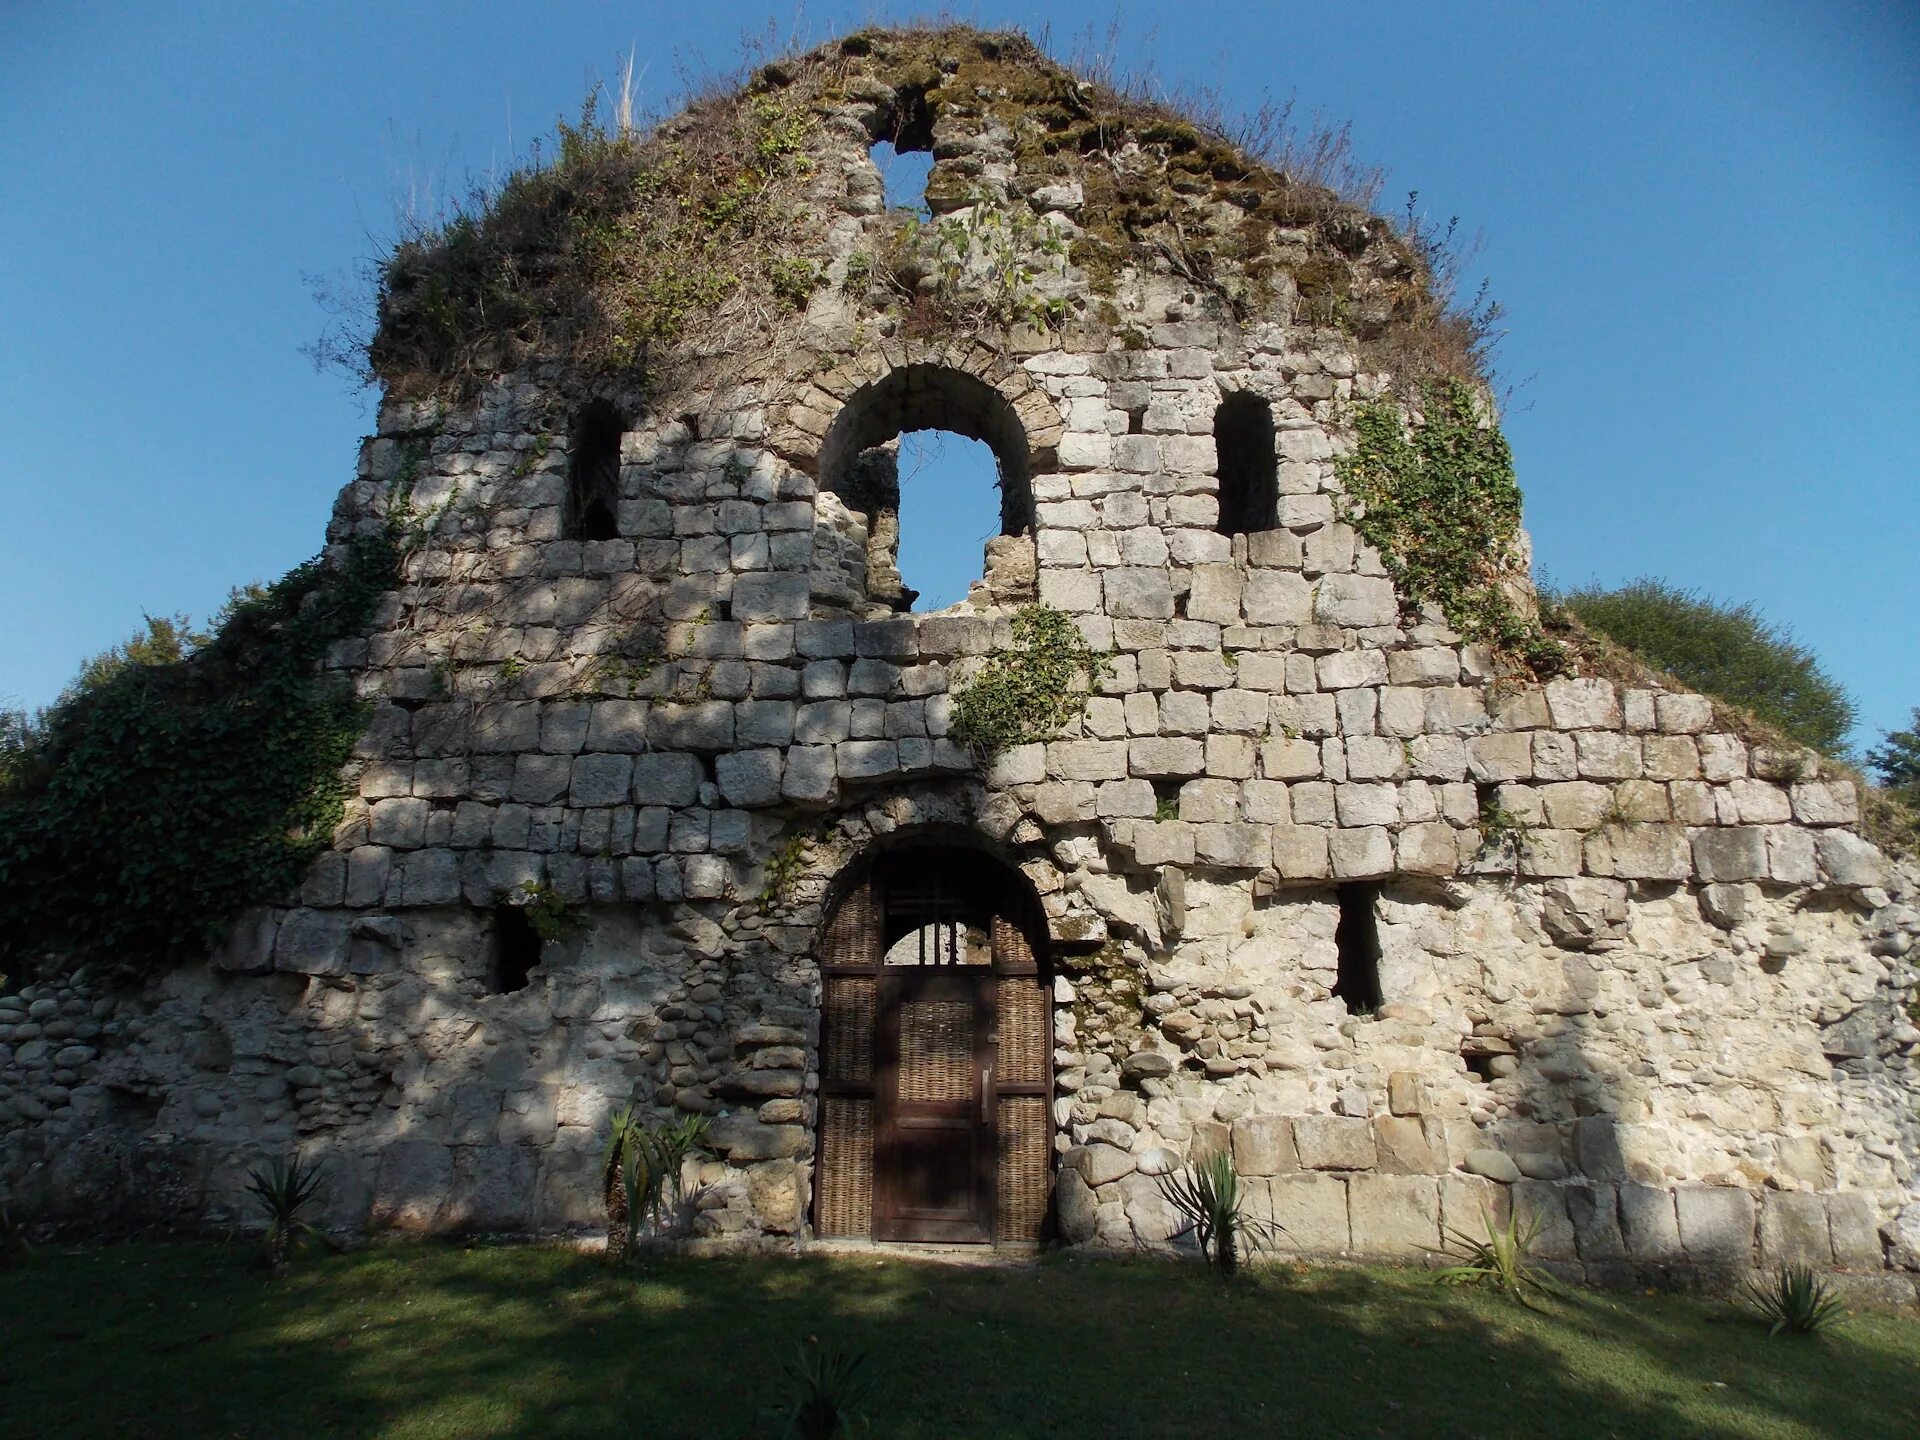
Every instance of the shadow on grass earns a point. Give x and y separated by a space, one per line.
435 1341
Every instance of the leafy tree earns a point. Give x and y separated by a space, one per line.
1897 762
1727 651
182 777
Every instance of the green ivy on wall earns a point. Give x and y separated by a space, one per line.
1027 691
145 810
1438 500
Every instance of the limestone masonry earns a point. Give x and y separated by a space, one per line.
649 679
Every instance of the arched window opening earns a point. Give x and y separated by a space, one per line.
1357 939
903 176
514 952
947 512
935 443
593 474
1248 470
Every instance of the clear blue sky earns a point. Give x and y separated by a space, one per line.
1704 221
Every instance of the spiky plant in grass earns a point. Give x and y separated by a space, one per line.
1795 1301
1503 1259
831 1390
284 1189
639 1170
1208 1196
13 1239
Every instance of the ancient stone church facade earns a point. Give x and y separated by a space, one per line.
659 804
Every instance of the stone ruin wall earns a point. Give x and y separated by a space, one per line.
1672 1025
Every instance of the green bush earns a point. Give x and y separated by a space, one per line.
1726 651
1028 691
1897 762
183 778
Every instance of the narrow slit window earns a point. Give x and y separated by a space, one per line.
1357 938
1248 470
516 950
593 475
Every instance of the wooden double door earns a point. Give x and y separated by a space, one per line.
936 1047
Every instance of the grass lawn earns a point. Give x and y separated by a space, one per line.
441 1341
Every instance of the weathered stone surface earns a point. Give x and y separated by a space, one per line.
1334 1142
1395 1215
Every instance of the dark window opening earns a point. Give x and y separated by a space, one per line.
1357 938
1249 472
593 475
516 950
1166 799
1137 420
1479 1062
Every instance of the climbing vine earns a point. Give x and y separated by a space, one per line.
146 809
1439 501
1027 691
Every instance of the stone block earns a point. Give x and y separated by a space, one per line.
867 759
749 777
600 780
1716 1225
492 1189
1166 758
1541 1202
744 1140
1793 1229
1395 1216
412 1185
707 725
1584 704
1649 1225
1410 1145
1730 852
1500 756
1263 1145
1075 1207
1235 846
1595 1215
1640 852
1361 854
1850 862
314 942
1429 849
770 597
1855 1231
1311 1213
1334 1142
666 779
1826 802
810 776
1355 601
617 725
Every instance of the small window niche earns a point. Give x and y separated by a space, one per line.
1248 470
514 952
593 474
1357 939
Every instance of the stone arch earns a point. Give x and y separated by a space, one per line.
932 397
935 1117
801 436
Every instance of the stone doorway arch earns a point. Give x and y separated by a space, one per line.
936 1051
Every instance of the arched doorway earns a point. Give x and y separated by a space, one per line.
936 1052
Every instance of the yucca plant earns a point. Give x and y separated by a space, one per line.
13 1239
831 1390
1503 1259
639 1170
284 1189
1795 1300
1208 1196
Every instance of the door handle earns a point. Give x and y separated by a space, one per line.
986 1096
